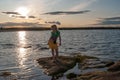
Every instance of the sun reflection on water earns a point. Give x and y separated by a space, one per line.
21 50
22 39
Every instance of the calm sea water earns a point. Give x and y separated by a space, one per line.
20 49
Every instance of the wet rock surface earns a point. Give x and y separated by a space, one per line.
115 67
100 75
62 64
65 63
6 75
112 73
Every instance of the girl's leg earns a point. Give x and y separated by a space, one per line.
57 54
53 54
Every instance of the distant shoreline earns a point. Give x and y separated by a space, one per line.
42 29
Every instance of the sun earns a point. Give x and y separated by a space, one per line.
23 11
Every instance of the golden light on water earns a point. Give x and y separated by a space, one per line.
22 39
22 58
21 50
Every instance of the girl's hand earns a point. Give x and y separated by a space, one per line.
60 44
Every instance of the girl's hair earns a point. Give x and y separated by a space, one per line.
54 26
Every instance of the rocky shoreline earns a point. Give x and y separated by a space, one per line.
100 70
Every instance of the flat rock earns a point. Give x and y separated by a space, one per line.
100 75
62 64
115 67
110 64
113 73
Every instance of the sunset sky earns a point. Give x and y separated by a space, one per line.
68 13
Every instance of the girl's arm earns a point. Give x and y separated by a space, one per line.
60 40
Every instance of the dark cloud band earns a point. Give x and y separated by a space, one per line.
19 24
32 17
112 18
109 21
15 13
53 22
67 12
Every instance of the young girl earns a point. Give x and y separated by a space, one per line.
53 45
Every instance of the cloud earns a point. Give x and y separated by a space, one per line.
20 16
67 12
53 22
39 19
16 16
82 5
112 18
31 17
20 24
109 21
14 13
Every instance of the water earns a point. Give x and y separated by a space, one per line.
20 49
